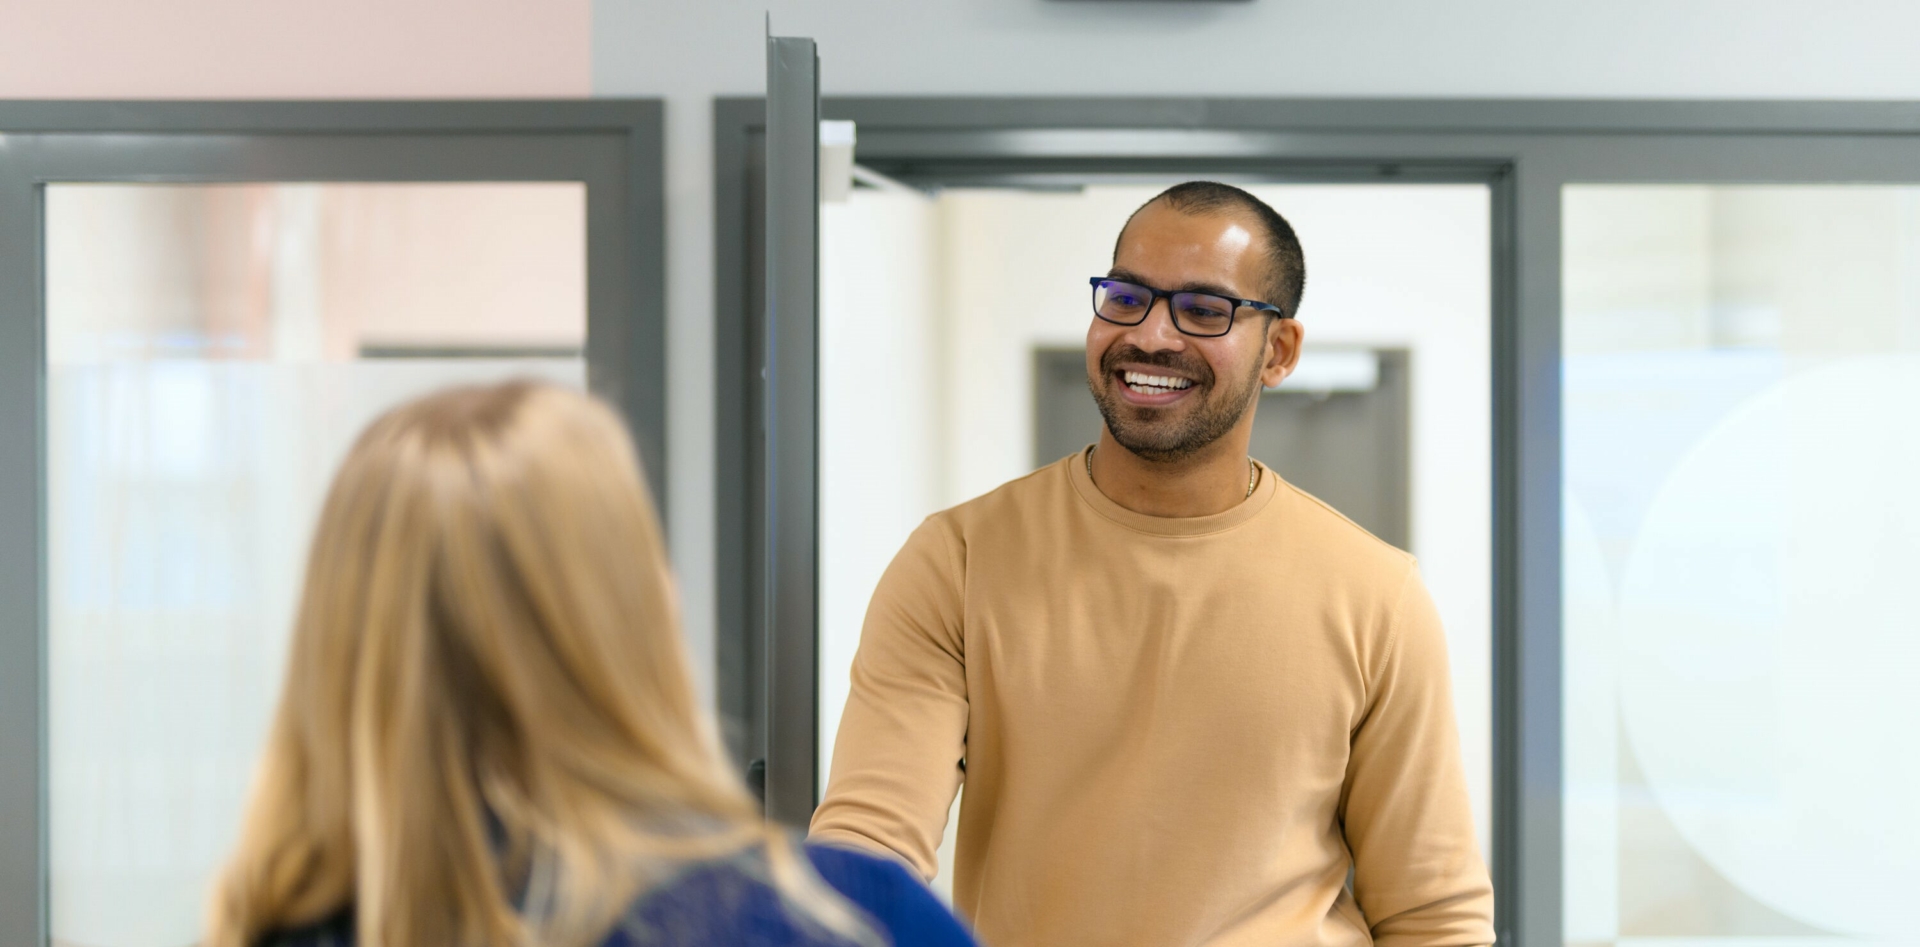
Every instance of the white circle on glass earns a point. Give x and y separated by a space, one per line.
1770 646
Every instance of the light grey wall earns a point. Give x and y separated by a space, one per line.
691 52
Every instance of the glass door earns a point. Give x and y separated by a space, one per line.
1741 372
193 328
212 351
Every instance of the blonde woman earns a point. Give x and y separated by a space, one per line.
488 736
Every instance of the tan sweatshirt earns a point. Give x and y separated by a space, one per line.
1174 731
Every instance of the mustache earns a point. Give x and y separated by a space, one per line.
1187 364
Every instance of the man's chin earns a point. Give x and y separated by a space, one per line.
1153 444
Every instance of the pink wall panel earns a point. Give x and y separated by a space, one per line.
294 48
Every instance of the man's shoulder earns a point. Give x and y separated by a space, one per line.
1018 501
1330 538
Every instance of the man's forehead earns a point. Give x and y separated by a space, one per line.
1161 236
1158 223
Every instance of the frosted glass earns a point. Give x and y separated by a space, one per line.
1741 377
212 352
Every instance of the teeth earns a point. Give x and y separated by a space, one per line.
1163 383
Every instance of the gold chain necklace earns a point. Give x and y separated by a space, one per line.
1253 472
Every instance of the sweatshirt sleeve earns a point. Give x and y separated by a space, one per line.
1418 875
897 759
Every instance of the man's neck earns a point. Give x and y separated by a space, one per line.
1213 481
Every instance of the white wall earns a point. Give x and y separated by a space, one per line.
690 52
339 49
881 448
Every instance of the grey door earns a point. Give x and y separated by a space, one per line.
1347 445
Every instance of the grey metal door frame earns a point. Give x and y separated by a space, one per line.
790 406
1526 151
613 146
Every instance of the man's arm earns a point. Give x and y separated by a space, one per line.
1417 870
896 762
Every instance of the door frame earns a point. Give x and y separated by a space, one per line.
1525 151
790 432
614 146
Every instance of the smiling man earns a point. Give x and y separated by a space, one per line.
1190 704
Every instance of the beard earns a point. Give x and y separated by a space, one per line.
1150 433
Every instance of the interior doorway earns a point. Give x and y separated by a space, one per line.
951 333
1560 813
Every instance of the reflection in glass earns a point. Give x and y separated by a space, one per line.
1742 373
211 351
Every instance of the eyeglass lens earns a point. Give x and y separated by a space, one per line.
1193 313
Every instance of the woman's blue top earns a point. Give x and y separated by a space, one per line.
727 903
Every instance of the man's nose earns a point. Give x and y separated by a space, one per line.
1157 333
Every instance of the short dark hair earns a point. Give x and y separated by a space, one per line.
1287 263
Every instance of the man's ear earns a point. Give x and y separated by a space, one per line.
1283 350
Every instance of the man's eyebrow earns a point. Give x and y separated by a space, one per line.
1191 286
1213 289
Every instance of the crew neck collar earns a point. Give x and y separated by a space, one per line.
1263 494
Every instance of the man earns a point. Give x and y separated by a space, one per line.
1185 698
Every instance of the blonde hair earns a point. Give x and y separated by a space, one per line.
487 702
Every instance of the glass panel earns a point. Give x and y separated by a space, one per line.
1742 371
942 318
212 350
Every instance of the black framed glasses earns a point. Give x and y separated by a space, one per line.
1198 314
